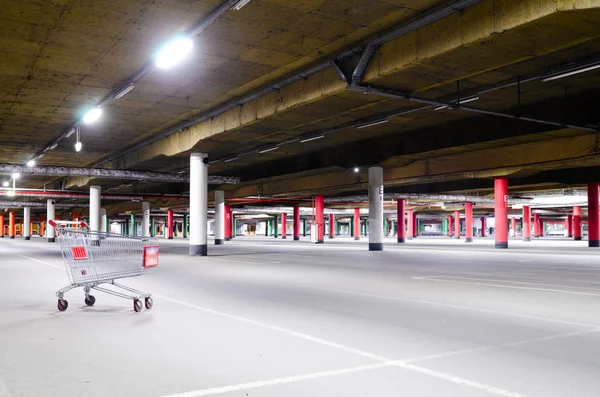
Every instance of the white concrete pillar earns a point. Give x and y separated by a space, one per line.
95 209
50 214
27 223
103 221
198 204
375 209
145 219
219 217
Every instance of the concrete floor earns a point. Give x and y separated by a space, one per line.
266 317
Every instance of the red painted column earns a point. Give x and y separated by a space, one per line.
409 226
536 225
169 224
401 221
331 226
284 225
541 227
450 226
414 225
356 224
11 225
569 225
513 226
576 223
1 226
483 226
593 226
501 211
227 222
469 222
526 223
456 224
320 218
296 223
75 216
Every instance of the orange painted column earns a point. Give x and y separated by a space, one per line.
1 226
42 226
11 225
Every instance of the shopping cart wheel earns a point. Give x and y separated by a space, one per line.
90 300
149 302
62 305
137 305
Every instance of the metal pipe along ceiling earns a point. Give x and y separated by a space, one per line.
415 196
72 195
34 204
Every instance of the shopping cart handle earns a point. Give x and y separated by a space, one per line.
54 223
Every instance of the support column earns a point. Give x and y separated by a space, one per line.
409 225
331 225
220 217
450 229
275 227
27 223
304 227
483 227
198 204
132 226
356 221
457 224
11 225
284 225
415 223
501 211
526 223
536 225
513 226
1 226
50 214
152 226
233 224
401 220
145 219
104 226
593 226
577 223
170 223
95 209
185 225
569 225
319 209
375 209
227 227
468 222
297 223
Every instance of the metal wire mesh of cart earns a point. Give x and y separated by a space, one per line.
97 257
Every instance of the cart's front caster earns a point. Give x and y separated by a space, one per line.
137 305
62 305
149 303
90 300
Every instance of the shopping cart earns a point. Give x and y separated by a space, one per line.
93 259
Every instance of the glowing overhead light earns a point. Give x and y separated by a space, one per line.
269 149
372 123
31 163
71 132
53 146
78 146
173 52
314 138
231 159
5 183
15 175
124 91
357 170
572 72
237 6
92 116
465 100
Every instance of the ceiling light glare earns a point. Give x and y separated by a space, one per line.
174 52
5 183
16 175
78 146
11 193
92 116
356 170
31 163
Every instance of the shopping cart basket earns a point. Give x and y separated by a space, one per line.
93 259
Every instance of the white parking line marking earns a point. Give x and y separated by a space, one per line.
468 308
384 360
45 263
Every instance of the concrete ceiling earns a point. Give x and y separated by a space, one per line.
63 57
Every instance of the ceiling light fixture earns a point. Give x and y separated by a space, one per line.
53 146
269 149
237 6
173 52
92 115
78 144
371 123
71 132
5 183
571 72
231 159
314 138
31 163
465 100
356 170
15 175
124 91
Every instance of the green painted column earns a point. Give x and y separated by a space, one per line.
351 229
107 225
131 228
122 228
304 227
152 227
337 228
275 228
233 226
386 224
175 228
185 226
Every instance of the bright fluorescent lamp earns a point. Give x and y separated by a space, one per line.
71 132
231 159
572 72
314 138
269 149
15 175
356 170
237 6
31 163
5 183
174 52
372 123
464 100
92 116
78 146
124 91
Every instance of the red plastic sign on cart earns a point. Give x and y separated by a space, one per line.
150 256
